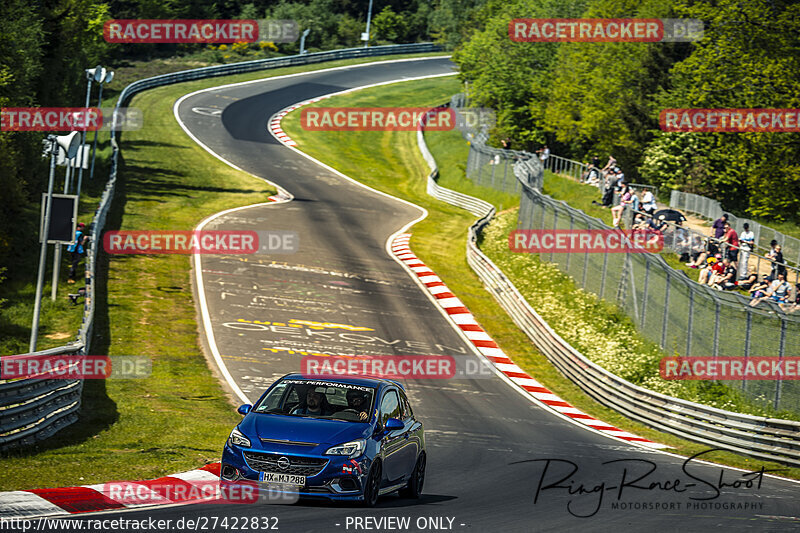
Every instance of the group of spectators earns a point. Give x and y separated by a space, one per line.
613 180
723 260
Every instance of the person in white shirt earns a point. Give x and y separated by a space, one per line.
544 153
649 202
747 240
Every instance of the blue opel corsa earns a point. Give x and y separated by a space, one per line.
344 439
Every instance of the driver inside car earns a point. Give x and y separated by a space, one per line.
357 400
316 405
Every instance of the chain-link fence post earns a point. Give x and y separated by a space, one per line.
689 324
748 330
666 314
644 289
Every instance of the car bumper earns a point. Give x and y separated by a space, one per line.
340 479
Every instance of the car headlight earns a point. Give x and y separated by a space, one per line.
238 439
352 449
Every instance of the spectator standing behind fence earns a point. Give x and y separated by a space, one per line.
607 199
747 241
719 226
76 250
731 240
611 164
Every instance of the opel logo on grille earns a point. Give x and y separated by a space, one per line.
283 463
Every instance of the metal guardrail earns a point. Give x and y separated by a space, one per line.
761 437
32 410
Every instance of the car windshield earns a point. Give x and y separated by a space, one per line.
318 399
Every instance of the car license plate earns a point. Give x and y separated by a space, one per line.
282 479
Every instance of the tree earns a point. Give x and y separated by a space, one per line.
747 59
602 96
512 78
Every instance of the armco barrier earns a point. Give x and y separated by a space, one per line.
764 438
32 410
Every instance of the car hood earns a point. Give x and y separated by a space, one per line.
299 429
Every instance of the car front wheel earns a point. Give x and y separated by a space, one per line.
373 485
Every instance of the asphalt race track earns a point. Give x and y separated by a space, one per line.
487 443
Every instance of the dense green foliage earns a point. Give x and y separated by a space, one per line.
45 47
599 98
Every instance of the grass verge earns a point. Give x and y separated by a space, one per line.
178 418
390 162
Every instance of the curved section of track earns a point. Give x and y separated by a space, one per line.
488 446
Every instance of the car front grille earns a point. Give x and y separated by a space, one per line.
299 466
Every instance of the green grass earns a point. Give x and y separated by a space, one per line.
178 418
390 162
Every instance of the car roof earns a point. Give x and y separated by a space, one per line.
351 380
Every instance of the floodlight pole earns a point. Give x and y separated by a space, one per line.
90 77
303 41
106 79
43 252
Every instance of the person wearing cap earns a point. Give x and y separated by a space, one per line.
714 267
76 250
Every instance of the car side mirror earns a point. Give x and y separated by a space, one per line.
393 424
244 409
